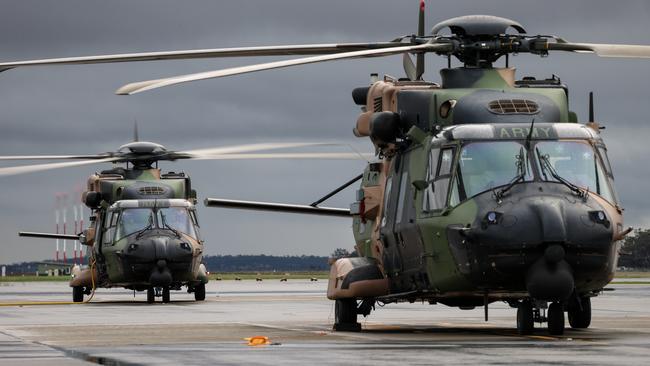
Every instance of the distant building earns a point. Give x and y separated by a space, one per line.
53 269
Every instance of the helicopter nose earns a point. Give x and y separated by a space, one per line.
158 259
541 239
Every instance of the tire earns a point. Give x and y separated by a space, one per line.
525 321
165 294
555 318
151 295
199 292
78 294
580 318
345 315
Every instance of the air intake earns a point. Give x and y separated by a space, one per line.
151 191
513 106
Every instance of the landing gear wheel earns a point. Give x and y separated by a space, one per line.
165 294
345 316
78 294
580 314
199 292
151 295
555 318
525 321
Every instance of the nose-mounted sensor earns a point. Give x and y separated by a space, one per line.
599 217
491 218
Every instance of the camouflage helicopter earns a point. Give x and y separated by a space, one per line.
486 188
144 231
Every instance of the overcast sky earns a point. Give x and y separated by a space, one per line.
72 109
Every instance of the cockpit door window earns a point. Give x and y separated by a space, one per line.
439 171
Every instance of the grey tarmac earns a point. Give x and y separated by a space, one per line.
118 329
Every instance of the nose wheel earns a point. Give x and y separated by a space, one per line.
529 312
165 294
555 319
153 292
525 318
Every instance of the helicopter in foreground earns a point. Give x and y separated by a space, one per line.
144 231
485 188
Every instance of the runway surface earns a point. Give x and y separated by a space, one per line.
118 329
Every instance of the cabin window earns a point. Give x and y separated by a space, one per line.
389 186
401 200
427 204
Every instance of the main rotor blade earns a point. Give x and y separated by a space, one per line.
604 49
209 152
310 49
15 170
333 156
51 157
141 86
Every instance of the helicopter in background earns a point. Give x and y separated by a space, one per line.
144 232
486 188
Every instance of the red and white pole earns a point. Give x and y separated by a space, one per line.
74 209
81 228
65 242
56 212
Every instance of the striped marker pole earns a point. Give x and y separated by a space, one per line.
81 228
74 209
56 213
65 214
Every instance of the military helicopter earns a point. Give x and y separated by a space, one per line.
485 188
144 230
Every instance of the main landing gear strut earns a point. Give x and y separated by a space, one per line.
346 311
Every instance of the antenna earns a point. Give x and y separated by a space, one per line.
591 107
419 60
530 134
135 131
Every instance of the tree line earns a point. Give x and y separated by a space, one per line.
635 251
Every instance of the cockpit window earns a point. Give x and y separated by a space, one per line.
487 165
176 218
133 220
575 162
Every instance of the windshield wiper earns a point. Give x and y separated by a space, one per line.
546 164
145 229
521 174
167 226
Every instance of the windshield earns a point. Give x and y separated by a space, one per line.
575 162
486 165
176 218
133 220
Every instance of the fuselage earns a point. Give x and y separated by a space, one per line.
490 215
486 188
